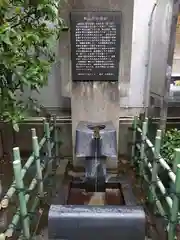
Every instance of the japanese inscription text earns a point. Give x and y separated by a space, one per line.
95 46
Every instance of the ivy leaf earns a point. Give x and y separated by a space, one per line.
4 3
25 53
171 142
5 38
40 7
18 10
4 27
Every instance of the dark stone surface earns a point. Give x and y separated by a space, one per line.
96 222
95 45
85 142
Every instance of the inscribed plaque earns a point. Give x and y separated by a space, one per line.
95 45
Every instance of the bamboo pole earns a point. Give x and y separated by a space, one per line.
160 185
5 201
159 182
33 132
159 133
48 141
44 124
158 203
161 160
38 166
32 211
56 139
35 203
44 132
20 186
16 217
2 236
175 207
155 164
142 150
176 159
134 125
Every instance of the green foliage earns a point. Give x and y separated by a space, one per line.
171 142
27 31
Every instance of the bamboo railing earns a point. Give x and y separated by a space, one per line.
44 169
147 159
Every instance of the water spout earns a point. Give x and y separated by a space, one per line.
95 167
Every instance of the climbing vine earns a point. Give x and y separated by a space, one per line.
27 31
171 142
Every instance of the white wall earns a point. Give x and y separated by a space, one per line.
159 66
142 12
51 96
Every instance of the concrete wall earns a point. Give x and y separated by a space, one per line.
139 56
132 74
133 58
159 47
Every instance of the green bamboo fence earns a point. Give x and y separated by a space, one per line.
43 170
147 159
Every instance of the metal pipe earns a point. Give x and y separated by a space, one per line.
64 119
147 76
68 120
